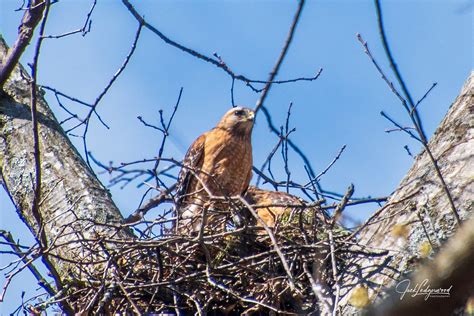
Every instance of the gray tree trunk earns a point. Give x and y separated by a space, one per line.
418 216
73 203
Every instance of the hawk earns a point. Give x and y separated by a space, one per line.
218 164
272 205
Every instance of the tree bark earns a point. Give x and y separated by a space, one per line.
74 206
418 216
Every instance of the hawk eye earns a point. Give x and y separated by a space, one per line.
239 112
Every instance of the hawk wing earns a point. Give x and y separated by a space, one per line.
192 161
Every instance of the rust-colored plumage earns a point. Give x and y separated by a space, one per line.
272 205
218 164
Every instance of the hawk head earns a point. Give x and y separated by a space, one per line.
238 120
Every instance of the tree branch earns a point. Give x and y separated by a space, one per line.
281 57
31 18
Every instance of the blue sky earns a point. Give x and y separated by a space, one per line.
431 41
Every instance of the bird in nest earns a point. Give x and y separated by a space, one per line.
217 166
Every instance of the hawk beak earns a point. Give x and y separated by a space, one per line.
250 116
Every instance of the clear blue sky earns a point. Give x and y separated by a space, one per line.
431 41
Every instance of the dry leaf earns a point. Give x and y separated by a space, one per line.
425 249
359 297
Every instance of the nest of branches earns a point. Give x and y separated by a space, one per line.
291 268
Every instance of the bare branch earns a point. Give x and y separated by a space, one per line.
31 18
413 113
86 27
283 53
397 73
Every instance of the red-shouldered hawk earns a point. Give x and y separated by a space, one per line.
271 205
218 163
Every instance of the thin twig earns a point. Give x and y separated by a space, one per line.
397 73
216 61
32 16
140 213
284 148
334 272
17 251
423 97
274 242
305 159
410 107
401 128
378 212
86 27
105 90
281 57
331 164
340 207
165 130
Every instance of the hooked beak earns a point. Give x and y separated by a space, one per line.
250 116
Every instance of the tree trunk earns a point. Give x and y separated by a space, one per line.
418 217
73 205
